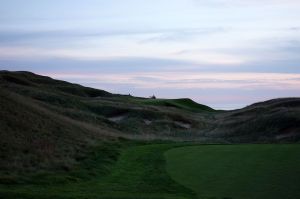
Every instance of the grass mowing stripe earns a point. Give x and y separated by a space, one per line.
237 171
140 172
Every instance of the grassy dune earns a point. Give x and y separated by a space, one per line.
237 171
64 140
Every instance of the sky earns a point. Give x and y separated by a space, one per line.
223 53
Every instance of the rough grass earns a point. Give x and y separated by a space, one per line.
237 171
138 172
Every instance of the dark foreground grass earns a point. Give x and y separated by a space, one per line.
139 172
238 171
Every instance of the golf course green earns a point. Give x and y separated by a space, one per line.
261 171
133 170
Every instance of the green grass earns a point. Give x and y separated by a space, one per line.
49 127
184 103
129 170
139 172
237 171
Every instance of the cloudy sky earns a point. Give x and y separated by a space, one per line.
224 53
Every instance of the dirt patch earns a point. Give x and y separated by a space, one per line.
117 119
147 122
183 124
287 135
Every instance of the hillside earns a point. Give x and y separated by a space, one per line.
269 121
50 124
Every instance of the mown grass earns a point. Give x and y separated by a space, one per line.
238 171
120 170
152 170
